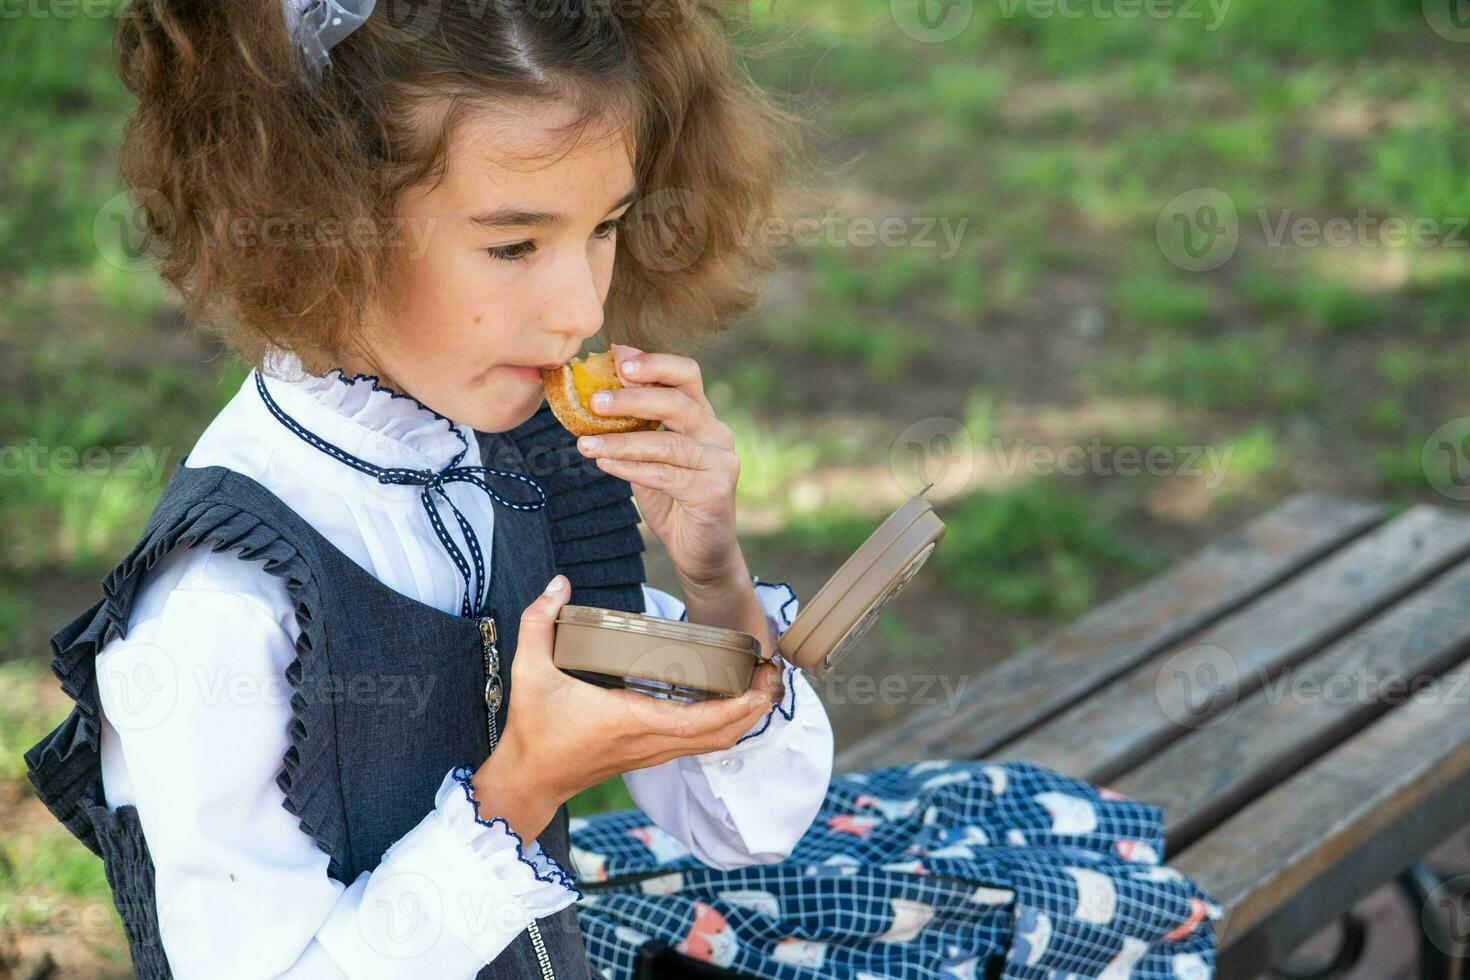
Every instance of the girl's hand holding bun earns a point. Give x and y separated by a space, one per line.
563 735
683 475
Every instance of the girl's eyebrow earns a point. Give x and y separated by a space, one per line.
513 216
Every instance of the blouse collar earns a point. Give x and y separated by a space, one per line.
357 413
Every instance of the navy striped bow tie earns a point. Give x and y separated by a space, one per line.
433 482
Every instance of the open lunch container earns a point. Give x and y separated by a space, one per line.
691 662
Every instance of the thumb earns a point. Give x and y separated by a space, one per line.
539 619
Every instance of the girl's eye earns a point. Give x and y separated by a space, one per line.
519 250
607 228
511 253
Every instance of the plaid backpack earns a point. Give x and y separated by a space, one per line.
929 871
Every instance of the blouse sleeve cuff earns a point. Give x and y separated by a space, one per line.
471 877
778 602
526 869
780 605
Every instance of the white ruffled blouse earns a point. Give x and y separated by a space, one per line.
196 708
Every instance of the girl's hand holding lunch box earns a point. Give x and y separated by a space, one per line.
563 735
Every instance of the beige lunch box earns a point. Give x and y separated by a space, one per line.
691 662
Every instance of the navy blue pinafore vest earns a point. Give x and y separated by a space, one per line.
364 760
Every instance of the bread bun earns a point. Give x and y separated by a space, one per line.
569 389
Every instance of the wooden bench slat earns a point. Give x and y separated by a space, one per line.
1031 686
1212 772
1135 716
1286 864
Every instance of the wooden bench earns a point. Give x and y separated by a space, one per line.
1249 692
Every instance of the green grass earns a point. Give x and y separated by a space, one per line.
882 349
1040 549
876 275
773 455
1151 298
46 878
1400 467
63 108
611 794
1259 373
24 717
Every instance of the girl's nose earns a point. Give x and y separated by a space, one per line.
576 302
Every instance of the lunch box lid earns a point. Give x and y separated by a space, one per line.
830 625
665 629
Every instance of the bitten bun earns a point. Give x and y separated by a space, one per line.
569 387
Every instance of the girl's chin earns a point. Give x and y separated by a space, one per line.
510 406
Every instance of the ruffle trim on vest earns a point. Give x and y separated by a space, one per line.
129 870
554 874
593 524
66 767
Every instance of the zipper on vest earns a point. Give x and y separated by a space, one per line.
494 697
494 687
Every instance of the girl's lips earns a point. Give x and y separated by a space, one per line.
529 373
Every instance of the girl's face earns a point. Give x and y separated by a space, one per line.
506 265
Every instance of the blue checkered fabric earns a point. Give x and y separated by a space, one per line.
929 870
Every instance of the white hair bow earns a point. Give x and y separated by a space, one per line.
318 25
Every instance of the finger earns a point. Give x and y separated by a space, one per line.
770 680
664 446
727 737
694 722
674 370
676 481
668 405
538 622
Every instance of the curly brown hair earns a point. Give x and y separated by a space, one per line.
230 133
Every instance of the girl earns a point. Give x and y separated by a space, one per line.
315 734
318 732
